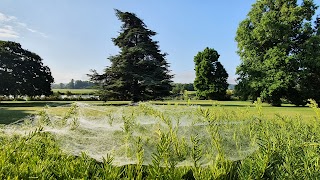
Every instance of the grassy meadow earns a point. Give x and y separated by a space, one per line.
159 140
11 111
76 91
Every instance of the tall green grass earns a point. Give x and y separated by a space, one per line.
282 147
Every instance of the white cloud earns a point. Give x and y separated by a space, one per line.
8 32
21 24
11 27
32 30
5 18
37 32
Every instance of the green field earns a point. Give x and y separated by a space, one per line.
76 91
159 140
11 111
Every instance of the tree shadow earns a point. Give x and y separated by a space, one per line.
34 104
14 110
8 116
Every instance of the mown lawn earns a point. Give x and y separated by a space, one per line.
76 91
11 111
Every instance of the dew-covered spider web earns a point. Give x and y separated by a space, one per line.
145 133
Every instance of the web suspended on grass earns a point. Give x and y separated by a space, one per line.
183 135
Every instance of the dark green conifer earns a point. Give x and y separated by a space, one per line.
140 71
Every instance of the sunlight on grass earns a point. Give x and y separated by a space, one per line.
237 140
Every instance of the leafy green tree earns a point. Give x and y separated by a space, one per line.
61 86
309 74
178 88
211 77
271 42
22 72
78 84
74 84
71 84
140 71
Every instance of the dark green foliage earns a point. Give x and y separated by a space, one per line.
74 84
71 84
274 44
309 74
211 77
22 72
83 84
140 71
179 88
317 26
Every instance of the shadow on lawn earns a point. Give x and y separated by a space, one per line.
8 116
14 110
33 104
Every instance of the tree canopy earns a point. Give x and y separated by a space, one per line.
74 84
278 46
140 71
211 77
22 72
178 88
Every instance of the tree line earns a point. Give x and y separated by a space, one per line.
140 71
279 48
22 72
278 45
74 84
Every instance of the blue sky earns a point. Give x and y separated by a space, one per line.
73 37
